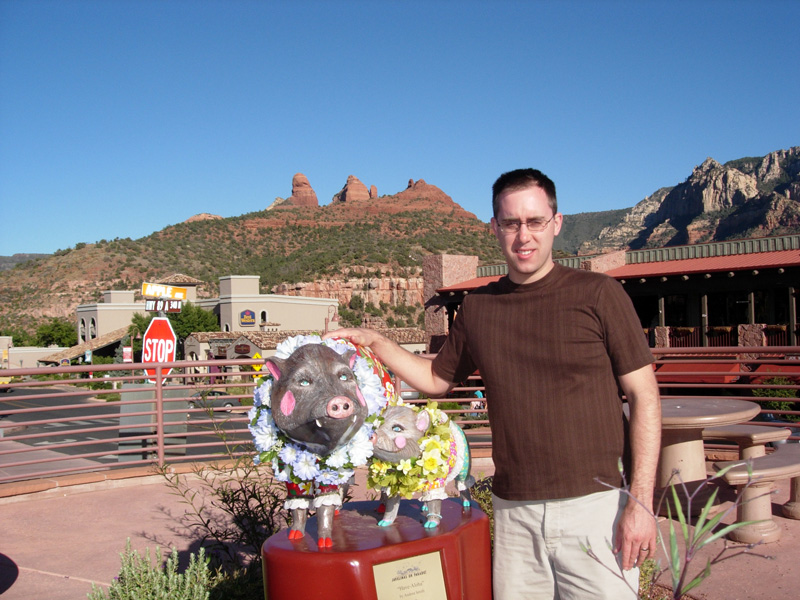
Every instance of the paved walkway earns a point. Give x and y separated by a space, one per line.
56 543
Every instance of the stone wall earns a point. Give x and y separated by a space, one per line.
441 270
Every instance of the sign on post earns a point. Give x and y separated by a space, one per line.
158 345
158 290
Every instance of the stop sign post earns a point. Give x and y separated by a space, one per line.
158 345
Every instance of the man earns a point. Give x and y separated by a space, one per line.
554 347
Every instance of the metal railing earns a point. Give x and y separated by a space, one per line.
58 421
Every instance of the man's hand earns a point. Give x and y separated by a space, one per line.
636 535
412 368
358 335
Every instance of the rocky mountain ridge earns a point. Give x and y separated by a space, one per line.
748 197
360 244
369 245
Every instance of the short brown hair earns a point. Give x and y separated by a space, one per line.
520 179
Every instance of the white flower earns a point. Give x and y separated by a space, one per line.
370 385
289 454
265 433
261 395
360 447
338 458
329 477
289 345
339 345
280 474
305 467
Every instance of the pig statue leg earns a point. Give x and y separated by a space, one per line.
466 499
299 518
326 502
383 501
434 513
325 525
392 508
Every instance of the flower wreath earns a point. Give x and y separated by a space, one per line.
292 463
422 473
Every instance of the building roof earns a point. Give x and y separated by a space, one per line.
711 264
469 285
206 336
269 340
180 278
684 266
112 337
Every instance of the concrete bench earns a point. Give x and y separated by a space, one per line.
751 439
755 500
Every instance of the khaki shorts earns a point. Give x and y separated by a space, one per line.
538 555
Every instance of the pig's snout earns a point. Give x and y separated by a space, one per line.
340 407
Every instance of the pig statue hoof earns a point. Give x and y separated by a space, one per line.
325 543
433 521
384 523
294 534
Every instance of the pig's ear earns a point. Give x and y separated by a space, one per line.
350 357
274 366
423 420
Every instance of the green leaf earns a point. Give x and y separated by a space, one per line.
697 580
674 555
726 530
679 511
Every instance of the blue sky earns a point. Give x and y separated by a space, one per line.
118 118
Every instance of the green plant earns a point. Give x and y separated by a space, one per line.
236 506
707 529
140 579
772 392
482 494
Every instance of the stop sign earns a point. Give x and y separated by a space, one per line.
158 345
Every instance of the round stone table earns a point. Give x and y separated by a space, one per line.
682 424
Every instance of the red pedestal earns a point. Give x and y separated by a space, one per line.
299 570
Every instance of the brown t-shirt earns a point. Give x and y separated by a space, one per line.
549 353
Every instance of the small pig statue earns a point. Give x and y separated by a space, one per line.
317 404
408 439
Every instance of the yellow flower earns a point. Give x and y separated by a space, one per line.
430 464
434 443
434 452
405 466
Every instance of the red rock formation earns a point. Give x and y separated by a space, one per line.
373 192
352 191
391 290
421 190
302 192
202 217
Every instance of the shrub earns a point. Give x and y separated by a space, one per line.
778 393
140 579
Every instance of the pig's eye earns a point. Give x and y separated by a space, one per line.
305 382
397 429
343 376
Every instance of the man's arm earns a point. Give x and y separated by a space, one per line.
415 370
637 529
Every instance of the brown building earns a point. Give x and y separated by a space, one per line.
699 295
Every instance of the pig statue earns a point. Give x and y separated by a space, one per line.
419 451
309 420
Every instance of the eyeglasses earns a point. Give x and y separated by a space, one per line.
513 226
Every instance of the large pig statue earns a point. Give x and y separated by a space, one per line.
319 404
308 419
419 451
